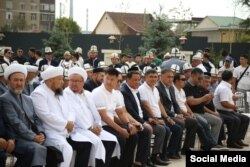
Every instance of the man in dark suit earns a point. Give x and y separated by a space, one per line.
95 80
167 96
48 60
20 116
133 106
93 59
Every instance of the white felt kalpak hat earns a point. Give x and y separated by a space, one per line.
51 72
78 70
15 68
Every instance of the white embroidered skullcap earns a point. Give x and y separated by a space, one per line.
51 72
78 70
31 68
15 68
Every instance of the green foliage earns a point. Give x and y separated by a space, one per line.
127 50
246 23
67 25
58 42
158 35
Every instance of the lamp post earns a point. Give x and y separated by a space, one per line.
182 40
112 39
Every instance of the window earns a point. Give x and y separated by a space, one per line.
44 7
22 6
9 16
52 7
9 5
33 26
33 16
22 16
43 17
33 6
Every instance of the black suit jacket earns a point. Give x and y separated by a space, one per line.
45 61
130 103
5 131
168 101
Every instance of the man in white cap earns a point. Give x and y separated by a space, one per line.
93 59
147 60
3 83
48 60
66 62
197 62
89 69
52 108
88 123
30 84
20 115
115 61
79 52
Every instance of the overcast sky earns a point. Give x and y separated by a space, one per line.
199 8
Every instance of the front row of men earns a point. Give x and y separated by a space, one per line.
104 127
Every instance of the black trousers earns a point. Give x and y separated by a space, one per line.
143 146
109 147
237 125
2 158
191 126
82 152
127 149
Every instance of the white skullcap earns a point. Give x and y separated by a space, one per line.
114 55
2 68
78 50
31 68
167 55
102 64
78 70
197 57
52 72
15 68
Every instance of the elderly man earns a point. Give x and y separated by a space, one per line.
88 122
110 108
30 83
197 62
20 116
48 60
52 108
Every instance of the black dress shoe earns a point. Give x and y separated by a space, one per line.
240 142
173 156
157 161
234 145
150 164
164 157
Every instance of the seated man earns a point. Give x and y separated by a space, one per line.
197 98
20 116
224 103
88 122
134 109
168 101
109 107
158 117
95 80
52 108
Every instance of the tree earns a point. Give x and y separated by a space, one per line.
246 22
58 42
183 14
158 35
67 25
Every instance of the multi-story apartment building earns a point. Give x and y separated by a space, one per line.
27 15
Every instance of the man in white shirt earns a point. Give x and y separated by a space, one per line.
109 107
159 120
52 108
197 62
243 84
224 102
88 122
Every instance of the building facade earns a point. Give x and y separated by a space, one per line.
27 15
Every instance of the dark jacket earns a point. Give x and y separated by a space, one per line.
166 101
45 62
130 103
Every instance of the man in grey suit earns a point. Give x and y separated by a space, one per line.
19 111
